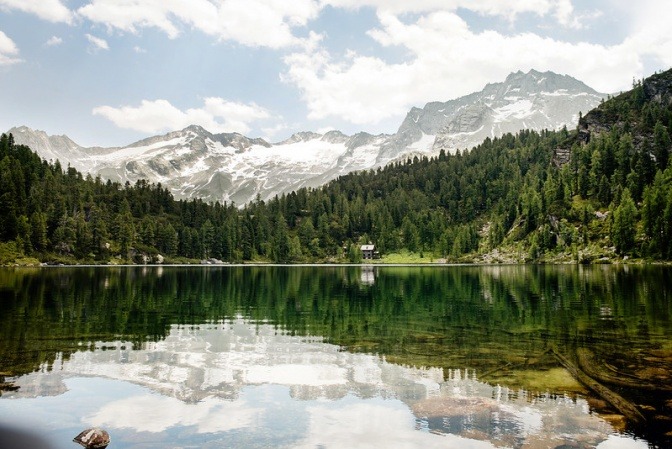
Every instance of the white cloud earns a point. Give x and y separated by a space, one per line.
8 50
51 10
651 34
561 9
97 42
270 133
139 413
53 41
370 423
216 115
448 59
139 49
566 16
265 23
619 442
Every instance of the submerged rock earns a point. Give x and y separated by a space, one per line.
93 438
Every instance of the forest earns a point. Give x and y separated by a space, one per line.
599 193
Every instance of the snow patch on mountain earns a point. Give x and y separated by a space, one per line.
518 108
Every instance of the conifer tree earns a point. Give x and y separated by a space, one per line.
661 145
623 225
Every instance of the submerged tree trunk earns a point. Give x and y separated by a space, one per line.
625 407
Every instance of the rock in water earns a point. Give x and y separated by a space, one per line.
93 438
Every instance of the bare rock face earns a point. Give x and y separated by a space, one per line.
561 156
472 118
658 87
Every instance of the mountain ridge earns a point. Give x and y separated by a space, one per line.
194 162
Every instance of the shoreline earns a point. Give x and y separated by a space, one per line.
332 264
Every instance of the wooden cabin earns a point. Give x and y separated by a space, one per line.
368 252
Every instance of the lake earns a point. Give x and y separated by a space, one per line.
340 356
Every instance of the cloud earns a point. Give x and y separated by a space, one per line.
369 423
255 23
447 59
97 43
651 34
216 115
270 133
53 41
139 413
561 9
8 50
51 10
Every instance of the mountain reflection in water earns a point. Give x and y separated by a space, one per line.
321 357
237 376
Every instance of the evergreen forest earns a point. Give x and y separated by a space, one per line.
599 193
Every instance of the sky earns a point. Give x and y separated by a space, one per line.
111 72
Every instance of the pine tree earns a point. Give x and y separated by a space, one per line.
281 246
661 145
624 222
8 216
38 231
410 234
167 240
23 235
354 253
99 234
208 238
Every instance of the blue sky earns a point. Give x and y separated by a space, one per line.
110 72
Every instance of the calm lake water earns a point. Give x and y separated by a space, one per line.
340 357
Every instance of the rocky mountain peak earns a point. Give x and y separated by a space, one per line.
39 134
538 82
198 130
239 141
334 136
52 147
303 136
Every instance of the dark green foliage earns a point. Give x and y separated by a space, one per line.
623 226
508 190
661 145
354 253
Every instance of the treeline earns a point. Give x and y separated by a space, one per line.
604 188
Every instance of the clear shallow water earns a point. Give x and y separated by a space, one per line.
330 357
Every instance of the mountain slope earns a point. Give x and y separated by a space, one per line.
194 163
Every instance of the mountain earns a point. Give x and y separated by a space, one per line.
194 163
532 100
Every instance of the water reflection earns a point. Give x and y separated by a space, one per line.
368 276
230 380
291 356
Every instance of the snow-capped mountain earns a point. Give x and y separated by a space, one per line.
231 167
532 100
